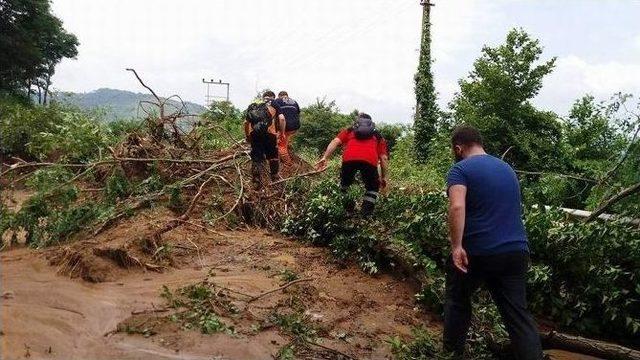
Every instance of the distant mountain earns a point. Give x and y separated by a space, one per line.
118 104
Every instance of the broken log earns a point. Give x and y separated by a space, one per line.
577 344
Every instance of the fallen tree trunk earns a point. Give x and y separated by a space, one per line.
560 341
585 214
406 262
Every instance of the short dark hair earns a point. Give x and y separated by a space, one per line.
364 116
466 135
268 93
283 93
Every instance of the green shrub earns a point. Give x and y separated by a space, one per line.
585 275
19 124
406 173
391 133
53 217
422 346
65 133
321 122
77 138
117 187
52 214
221 126
123 127
564 253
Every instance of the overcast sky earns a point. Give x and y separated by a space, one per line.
362 53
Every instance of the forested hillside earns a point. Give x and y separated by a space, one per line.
116 104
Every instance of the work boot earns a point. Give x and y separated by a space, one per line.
369 203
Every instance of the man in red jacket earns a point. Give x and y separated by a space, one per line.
364 149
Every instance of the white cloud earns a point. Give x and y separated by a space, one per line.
362 53
575 77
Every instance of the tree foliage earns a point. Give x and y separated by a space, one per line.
321 122
603 139
221 125
54 133
593 135
496 99
391 133
32 42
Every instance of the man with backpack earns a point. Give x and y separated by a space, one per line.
261 132
288 111
364 149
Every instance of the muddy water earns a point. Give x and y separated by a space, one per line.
45 316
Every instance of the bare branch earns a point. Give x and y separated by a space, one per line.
607 204
310 173
278 289
145 85
555 174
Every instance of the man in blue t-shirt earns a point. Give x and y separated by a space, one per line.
488 245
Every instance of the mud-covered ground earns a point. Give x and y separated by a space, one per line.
48 315
99 297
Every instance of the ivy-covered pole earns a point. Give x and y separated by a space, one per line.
426 109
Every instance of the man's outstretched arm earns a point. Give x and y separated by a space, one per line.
333 145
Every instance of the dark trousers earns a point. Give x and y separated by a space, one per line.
263 146
370 178
505 277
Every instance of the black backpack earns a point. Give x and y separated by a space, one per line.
259 117
364 128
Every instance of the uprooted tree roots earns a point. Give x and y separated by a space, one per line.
170 149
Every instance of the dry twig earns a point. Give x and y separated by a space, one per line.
278 289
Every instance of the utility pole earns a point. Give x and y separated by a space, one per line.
208 99
426 115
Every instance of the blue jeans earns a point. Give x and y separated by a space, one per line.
505 277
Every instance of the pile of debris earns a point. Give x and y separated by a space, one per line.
169 147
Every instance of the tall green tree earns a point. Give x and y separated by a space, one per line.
595 135
496 98
603 139
32 42
426 108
